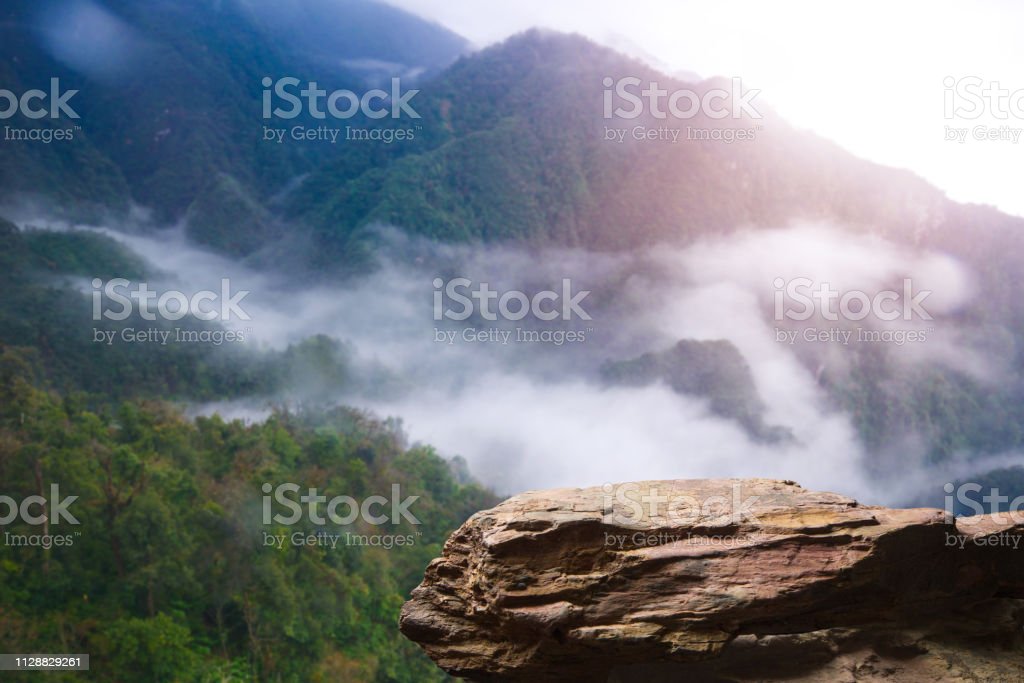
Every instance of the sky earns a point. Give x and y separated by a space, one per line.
870 75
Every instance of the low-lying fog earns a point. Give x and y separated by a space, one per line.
534 414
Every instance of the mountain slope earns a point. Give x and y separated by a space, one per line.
514 147
170 92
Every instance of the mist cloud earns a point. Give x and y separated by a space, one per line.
536 415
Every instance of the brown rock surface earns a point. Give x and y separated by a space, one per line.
721 580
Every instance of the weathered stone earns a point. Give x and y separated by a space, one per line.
721 580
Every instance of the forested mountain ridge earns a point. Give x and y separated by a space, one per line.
163 571
510 143
169 93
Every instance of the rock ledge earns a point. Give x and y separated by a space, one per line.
721 580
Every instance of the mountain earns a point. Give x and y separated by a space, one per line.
509 167
165 573
511 145
714 370
370 38
513 148
169 93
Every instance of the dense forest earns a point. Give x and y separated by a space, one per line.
167 575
